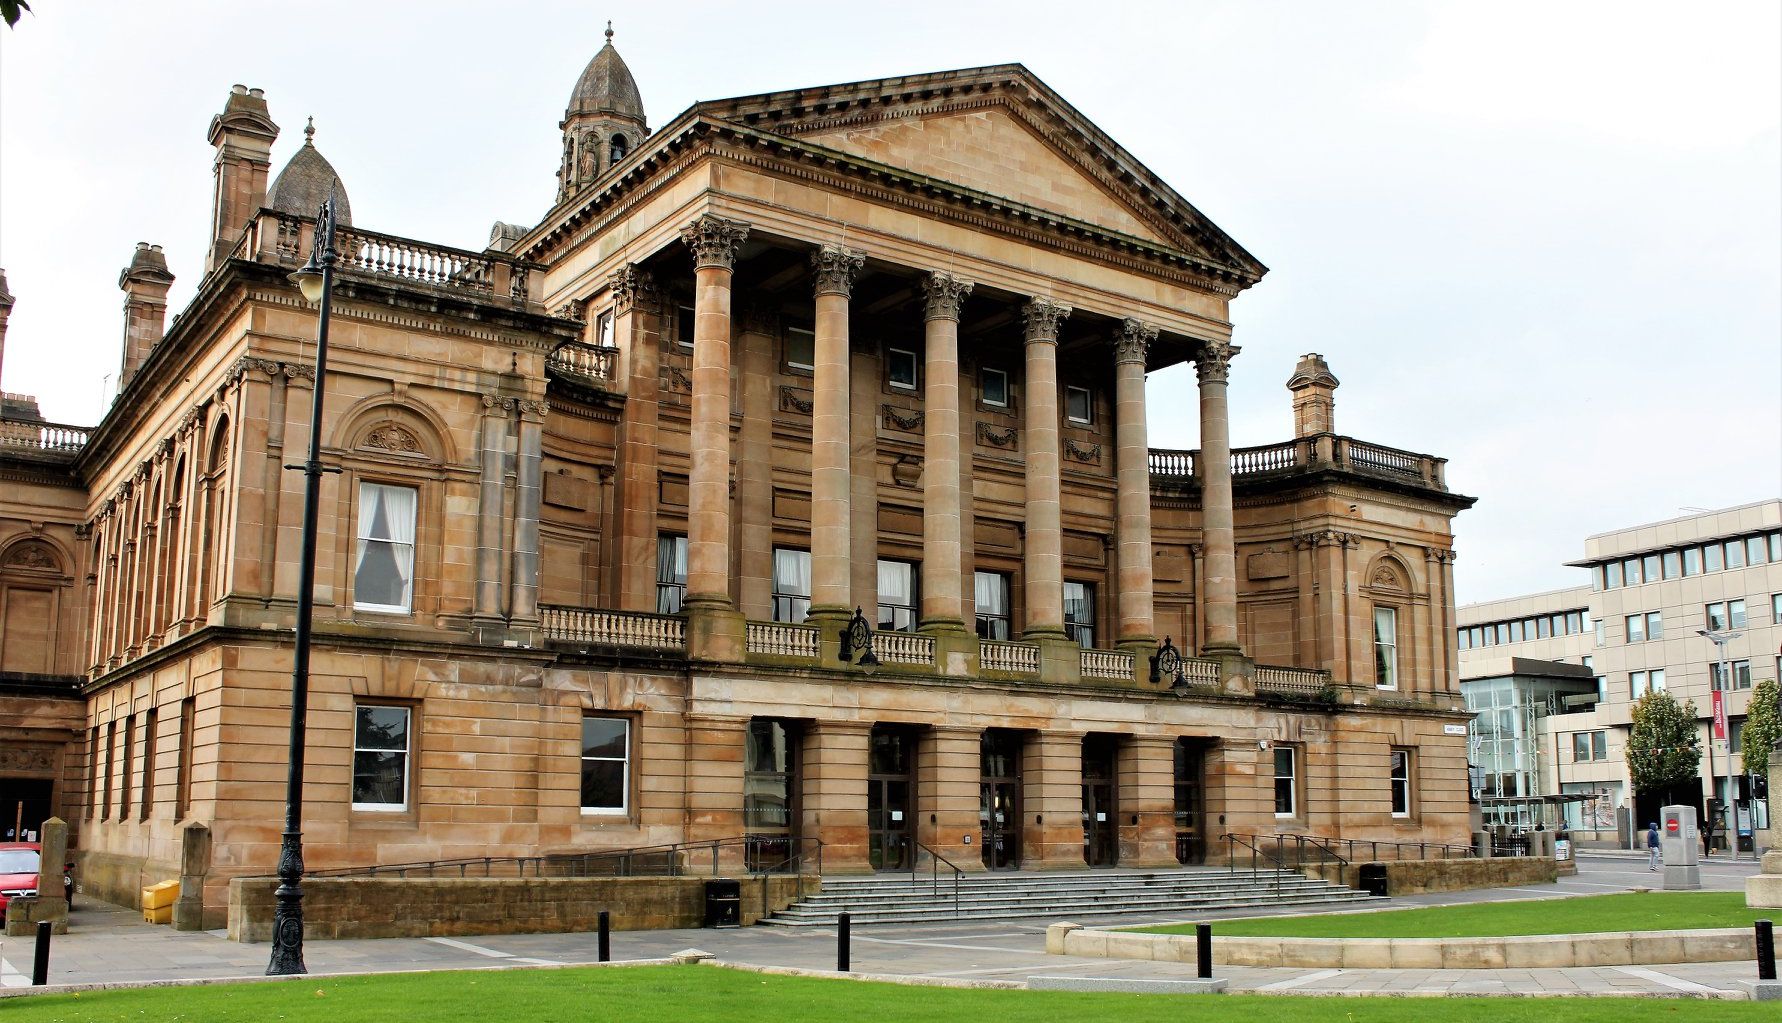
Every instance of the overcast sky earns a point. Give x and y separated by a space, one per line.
1542 240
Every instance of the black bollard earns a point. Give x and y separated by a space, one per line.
841 943
1203 951
40 964
1766 951
606 937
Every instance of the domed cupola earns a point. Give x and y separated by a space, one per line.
307 181
603 123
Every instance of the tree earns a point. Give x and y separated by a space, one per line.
1763 728
1663 750
11 9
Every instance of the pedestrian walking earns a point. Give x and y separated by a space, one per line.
1652 846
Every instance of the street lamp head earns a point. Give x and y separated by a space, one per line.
309 281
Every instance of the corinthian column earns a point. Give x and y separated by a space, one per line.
1213 366
1039 421
943 592
1132 476
713 241
834 269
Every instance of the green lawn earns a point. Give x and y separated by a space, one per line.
687 994
1629 911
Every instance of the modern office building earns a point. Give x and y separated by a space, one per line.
612 486
1639 625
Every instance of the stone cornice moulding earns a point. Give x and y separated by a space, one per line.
446 326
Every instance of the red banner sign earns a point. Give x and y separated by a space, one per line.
1719 715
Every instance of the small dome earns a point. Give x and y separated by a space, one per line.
306 183
606 86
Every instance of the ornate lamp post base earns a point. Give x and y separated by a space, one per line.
287 917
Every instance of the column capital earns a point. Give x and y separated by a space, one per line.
714 241
1134 341
1040 318
633 287
835 268
946 295
1213 363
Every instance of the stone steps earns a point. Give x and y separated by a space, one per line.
895 899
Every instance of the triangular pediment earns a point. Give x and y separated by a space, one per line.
999 131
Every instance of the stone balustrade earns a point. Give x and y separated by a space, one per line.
1173 468
1294 681
1016 658
781 639
30 435
576 359
583 626
285 239
1108 664
903 648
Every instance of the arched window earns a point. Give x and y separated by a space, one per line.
619 147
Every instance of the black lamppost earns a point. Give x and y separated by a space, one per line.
316 279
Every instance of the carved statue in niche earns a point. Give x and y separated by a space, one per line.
585 167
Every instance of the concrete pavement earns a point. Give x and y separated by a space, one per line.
109 945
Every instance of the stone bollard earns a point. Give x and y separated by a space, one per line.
51 891
1482 844
194 864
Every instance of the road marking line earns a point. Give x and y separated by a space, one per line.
468 947
10 977
1310 978
1674 983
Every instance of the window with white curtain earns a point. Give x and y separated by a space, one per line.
1386 647
897 596
671 573
791 585
384 576
992 595
1079 613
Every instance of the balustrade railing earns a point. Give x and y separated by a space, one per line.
1178 467
594 362
781 639
1382 459
1019 658
1110 664
1272 458
286 238
1200 671
29 434
903 648
624 629
1173 464
1301 681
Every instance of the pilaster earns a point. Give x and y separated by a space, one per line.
948 772
833 803
1146 768
1052 801
716 746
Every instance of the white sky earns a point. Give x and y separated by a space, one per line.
1542 240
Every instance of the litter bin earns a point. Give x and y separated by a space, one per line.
1371 878
723 902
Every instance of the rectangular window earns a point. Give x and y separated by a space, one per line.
1543 628
900 368
1637 685
1754 550
1079 613
1386 647
898 596
1574 622
801 349
1613 569
1599 745
93 773
1735 614
683 326
1597 578
1776 609
992 595
384 577
1716 616
791 585
1672 565
1649 568
1631 569
1692 561
1735 554
603 329
1711 558
380 757
671 573
182 797
125 766
606 765
1580 746
1654 625
1401 783
1735 736
1775 546
1602 633
1515 632
149 726
1636 628
1286 781
1657 676
1739 670
1078 408
1460 638
993 384
111 748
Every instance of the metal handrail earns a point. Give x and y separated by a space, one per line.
935 860
1231 843
779 868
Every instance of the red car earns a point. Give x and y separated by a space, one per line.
19 865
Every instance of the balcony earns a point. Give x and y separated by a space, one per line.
583 365
37 441
1178 470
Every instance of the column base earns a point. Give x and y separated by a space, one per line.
1060 659
1053 847
830 621
716 630
956 649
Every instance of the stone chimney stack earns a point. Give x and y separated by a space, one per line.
1314 397
5 314
145 282
243 135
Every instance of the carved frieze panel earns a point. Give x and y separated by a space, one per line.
1004 438
1088 454
907 420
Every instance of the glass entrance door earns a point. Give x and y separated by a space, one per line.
770 787
891 819
999 799
1101 847
1191 839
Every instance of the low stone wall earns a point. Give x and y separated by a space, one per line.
116 879
389 907
1619 948
1415 877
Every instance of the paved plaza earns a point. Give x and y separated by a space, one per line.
107 944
